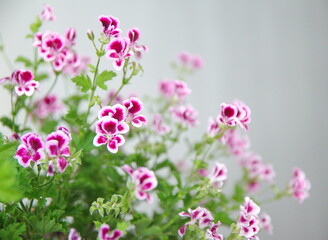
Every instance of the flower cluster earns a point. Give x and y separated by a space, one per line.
114 122
299 186
186 115
49 105
57 50
248 222
203 218
47 13
174 90
190 61
23 82
57 148
236 143
144 181
120 48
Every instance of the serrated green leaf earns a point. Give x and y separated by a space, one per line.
104 77
83 81
45 225
13 231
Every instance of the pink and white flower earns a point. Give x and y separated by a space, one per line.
57 147
108 132
191 61
110 26
73 235
236 144
199 215
134 107
119 49
144 181
31 149
236 113
218 175
104 233
134 36
70 37
159 126
174 89
299 186
186 115
265 223
25 83
47 13
212 232
213 127
248 222
47 106
117 112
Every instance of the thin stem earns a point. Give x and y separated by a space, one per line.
12 108
51 87
5 56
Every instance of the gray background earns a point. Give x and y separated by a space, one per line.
273 55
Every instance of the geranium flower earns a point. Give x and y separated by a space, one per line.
31 149
144 181
134 106
110 26
159 126
109 134
105 235
74 235
212 232
134 35
199 215
186 115
57 147
299 186
118 49
25 83
47 13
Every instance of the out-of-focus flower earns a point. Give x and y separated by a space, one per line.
105 235
218 174
199 215
73 235
265 222
299 186
144 181
175 90
47 13
212 232
194 62
159 126
47 106
186 115
31 149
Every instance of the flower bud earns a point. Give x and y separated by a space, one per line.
90 35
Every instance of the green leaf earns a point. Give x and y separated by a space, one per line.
13 231
45 225
49 125
41 76
8 174
239 193
36 25
104 77
7 122
83 81
24 60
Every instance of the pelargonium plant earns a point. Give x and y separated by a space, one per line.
67 172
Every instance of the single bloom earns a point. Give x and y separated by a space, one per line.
186 115
266 223
144 181
200 216
110 26
31 149
104 233
25 85
108 133
119 49
218 175
47 13
74 235
159 126
134 107
212 232
134 36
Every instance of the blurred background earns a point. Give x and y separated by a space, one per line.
273 55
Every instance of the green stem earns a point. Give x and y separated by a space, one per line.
12 109
52 86
47 183
94 85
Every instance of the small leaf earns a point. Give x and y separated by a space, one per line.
36 25
83 81
104 77
24 60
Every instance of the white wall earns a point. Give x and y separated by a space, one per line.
273 55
